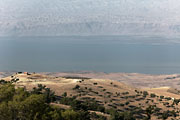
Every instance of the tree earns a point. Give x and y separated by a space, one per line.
6 92
4 110
64 94
19 104
76 87
48 94
145 93
122 116
33 107
176 101
165 115
149 111
152 95
70 115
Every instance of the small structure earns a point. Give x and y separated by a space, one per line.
27 73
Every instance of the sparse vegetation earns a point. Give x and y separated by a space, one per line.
76 87
162 97
145 93
152 95
89 100
76 77
95 83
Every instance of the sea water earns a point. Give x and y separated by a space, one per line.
132 54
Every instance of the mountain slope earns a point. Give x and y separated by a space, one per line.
100 17
112 95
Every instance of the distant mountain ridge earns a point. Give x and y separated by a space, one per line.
87 17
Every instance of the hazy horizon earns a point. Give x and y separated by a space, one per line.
87 17
108 36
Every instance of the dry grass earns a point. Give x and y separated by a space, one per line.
111 94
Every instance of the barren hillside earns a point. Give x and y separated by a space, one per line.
108 93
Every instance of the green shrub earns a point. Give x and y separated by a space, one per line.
127 103
168 98
122 116
145 93
64 94
162 97
104 89
95 83
76 87
152 95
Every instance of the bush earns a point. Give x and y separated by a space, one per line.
127 103
176 101
125 93
70 115
165 115
76 87
162 97
121 104
95 83
64 94
145 93
90 89
149 111
168 98
122 116
104 89
94 116
152 95
18 104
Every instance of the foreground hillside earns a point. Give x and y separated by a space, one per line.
100 98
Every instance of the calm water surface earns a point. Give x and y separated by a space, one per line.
105 54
